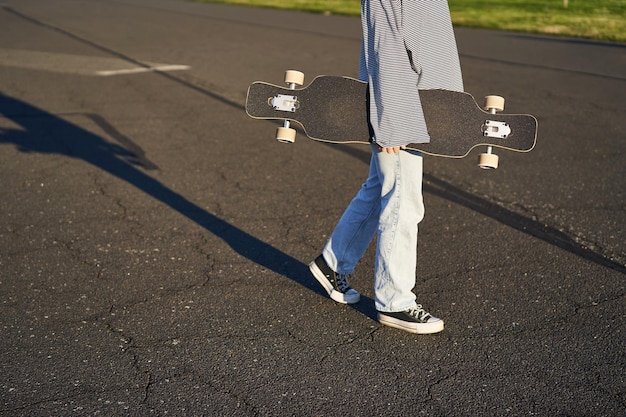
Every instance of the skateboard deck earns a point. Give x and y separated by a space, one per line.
334 109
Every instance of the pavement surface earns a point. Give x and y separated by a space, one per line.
154 239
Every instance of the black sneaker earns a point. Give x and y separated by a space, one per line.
414 320
336 285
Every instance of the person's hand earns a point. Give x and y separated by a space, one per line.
394 149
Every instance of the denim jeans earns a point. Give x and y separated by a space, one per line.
389 204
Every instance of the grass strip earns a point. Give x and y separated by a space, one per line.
589 19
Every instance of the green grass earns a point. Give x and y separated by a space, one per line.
590 19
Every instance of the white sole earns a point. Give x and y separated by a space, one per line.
419 328
332 293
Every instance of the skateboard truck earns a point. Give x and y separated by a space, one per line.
284 102
493 129
286 134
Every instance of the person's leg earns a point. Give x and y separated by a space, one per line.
348 242
357 226
396 254
402 208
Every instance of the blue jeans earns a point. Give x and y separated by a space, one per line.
389 204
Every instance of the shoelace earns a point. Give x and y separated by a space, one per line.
342 282
419 313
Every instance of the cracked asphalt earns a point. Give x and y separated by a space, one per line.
154 239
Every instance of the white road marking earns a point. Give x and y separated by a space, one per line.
78 64
135 70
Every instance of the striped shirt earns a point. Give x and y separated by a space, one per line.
407 45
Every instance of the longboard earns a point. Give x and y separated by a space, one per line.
334 109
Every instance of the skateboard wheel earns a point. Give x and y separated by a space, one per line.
294 77
488 161
286 135
494 102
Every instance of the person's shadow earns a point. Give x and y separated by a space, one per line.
45 133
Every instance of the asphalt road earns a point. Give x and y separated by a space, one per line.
154 239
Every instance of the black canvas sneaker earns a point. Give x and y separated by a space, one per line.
414 320
336 285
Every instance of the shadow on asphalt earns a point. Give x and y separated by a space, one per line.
46 133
